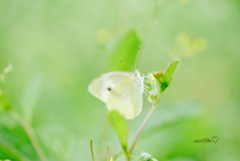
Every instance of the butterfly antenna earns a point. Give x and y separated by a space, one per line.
125 63
142 69
137 57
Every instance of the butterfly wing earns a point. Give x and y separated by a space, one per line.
102 86
126 98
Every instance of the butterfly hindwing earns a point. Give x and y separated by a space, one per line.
126 98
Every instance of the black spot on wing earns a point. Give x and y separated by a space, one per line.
109 89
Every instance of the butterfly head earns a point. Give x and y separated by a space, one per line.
137 78
137 74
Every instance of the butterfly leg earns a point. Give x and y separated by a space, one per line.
146 87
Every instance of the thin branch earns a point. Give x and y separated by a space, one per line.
92 149
31 134
144 123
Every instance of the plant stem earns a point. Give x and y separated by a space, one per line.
31 134
92 149
128 156
144 123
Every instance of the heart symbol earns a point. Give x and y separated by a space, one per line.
215 139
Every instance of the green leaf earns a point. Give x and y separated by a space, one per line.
110 159
172 115
120 126
126 49
141 156
30 97
159 81
4 102
166 79
11 153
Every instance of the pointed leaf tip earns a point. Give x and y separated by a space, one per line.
167 77
159 81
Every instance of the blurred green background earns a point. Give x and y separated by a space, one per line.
57 47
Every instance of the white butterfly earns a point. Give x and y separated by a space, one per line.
121 91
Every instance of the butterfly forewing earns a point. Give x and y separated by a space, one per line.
103 85
126 98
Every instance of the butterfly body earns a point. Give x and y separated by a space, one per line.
121 91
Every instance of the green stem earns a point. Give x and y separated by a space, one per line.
92 149
143 124
31 134
128 156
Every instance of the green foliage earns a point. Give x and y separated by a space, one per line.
137 155
141 156
4 102
30 97
120 126
126 50
13 154
159 81
165 78
58 39
171 115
